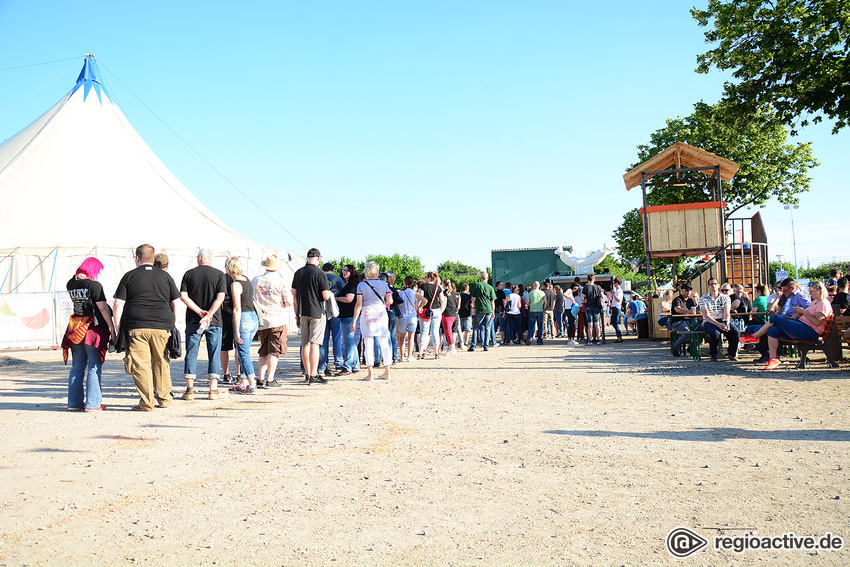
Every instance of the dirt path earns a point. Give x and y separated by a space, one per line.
519 456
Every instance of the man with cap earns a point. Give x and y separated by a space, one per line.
271 293
310 290
684 304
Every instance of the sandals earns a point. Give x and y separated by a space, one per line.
420 356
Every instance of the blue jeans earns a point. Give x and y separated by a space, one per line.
332 328
492 327
351 360
783 327
514 330
482 323
432 329
393 337
713 335
85 367
615 321
248 324
535 322
761 346
193 345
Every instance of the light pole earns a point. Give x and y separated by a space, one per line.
793 238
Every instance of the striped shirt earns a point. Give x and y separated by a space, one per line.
716 307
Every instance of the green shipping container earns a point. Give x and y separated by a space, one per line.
527 265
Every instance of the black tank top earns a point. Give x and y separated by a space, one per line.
247 295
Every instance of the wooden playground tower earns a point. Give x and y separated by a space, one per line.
700 229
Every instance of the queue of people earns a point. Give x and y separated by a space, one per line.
352 320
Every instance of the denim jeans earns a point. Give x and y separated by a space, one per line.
85 371
393 337
351 360
248 325
761 346
615 321
535 322
713 335
783 327
514 331
492 330
193 345
432 329
482 323
332 328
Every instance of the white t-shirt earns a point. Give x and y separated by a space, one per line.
514 303
617 294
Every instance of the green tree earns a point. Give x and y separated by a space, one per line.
459 272
402 264
789 54
769 166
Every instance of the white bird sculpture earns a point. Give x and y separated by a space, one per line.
581 265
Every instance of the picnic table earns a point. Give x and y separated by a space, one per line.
696 334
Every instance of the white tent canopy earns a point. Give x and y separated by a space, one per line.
80 181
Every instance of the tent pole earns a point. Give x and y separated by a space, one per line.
53 269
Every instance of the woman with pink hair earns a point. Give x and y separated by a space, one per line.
87 337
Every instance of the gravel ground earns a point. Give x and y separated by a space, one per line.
532 455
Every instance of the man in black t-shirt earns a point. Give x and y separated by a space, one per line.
144 311
683 304
203 290
310 290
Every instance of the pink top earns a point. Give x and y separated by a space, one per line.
818 307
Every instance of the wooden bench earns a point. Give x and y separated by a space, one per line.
822 344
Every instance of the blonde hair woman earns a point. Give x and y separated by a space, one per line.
373 296
245 324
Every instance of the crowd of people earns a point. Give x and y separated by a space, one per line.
351 320
727 312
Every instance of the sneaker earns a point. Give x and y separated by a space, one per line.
250 390
762 360
226 379
675 352
318 380
772 363
273 384
261 384
329 372
101 407
367 379
140 408
486 349
471 349
188 395
345 373
732 357
747 339
572 343
216 395
714 358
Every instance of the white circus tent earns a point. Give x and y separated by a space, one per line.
79 181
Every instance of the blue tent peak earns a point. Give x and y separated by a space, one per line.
90 79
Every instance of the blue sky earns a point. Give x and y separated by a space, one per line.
438 129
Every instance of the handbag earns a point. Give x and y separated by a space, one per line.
575 309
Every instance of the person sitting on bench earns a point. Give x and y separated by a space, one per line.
783 302
806 324
684 304
716 312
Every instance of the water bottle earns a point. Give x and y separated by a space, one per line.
204 326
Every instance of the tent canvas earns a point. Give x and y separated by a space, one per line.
79 181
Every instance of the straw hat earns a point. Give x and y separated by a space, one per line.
271 263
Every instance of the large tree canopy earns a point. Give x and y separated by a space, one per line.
789 54
769 166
